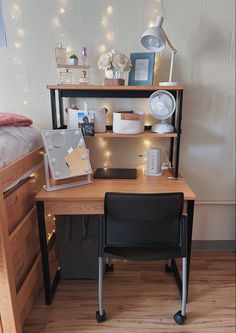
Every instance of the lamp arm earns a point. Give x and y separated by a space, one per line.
171 64
169 43
173 52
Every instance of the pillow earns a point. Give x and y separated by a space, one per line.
11 119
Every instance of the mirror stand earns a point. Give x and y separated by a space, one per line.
49 187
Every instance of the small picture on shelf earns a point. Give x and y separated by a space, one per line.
85 122
142 70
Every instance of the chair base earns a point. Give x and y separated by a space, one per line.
100 318
169 268
179 318
109 268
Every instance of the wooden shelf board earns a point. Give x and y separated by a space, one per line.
115 88
74 66
149 134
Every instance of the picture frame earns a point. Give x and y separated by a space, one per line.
142 71
3 41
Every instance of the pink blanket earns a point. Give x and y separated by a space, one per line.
11 119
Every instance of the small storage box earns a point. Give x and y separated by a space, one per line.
128 123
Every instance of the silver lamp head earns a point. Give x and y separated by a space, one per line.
154 38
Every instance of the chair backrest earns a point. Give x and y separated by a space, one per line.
143 219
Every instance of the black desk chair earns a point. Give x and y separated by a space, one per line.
143 227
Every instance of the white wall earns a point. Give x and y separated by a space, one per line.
202 30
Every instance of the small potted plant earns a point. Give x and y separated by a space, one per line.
73 59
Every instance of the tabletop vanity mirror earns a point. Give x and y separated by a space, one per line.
66 159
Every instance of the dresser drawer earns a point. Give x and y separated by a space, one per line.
24 243
19 202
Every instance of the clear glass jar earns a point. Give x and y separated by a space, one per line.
60 53
66 77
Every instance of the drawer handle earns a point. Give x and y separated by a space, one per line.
14 201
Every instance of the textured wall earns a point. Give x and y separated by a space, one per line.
202 30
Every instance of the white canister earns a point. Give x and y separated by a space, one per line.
128 123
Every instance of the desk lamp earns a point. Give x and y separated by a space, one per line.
154 39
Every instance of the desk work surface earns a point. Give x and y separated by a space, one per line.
89 199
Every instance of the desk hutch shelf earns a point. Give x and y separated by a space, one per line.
100 91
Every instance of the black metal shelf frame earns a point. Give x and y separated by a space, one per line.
176 118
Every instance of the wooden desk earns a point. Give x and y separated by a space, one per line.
89 200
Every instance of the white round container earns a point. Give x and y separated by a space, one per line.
128 126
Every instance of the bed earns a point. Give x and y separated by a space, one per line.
20 259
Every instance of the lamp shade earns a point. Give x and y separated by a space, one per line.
154 38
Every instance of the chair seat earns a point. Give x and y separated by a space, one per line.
143 253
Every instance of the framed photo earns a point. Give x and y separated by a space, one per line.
3 41
142 70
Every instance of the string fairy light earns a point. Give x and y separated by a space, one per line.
109 36
56 22
103 48
21 32
105 22
17 45
147 142
109 10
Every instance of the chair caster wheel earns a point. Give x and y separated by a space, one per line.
179 318
168 268
100 318
109 268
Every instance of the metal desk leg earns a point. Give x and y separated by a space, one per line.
53 109
61 108
190 211
179 98
49 289
44 251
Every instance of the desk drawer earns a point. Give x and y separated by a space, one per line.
19 202
24 243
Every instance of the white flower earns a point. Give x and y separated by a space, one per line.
121 63
105 61
114 61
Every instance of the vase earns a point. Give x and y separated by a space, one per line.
114 82
112 78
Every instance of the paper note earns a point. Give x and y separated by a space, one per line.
76 161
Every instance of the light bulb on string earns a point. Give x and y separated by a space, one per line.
21 32
109 10
104 22
15 11
103 48
17 45
109 36
62 11
16 7
56 22
147 143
